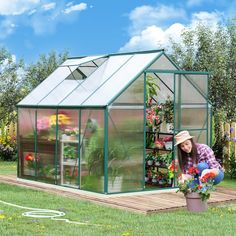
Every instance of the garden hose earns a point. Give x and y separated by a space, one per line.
46 213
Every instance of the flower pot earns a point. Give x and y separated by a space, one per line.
168 145
30 172
195 203
68 137
150 162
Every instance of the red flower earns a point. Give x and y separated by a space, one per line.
29 157
193 170
207 177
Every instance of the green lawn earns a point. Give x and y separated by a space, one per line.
8 167
218 220
228 182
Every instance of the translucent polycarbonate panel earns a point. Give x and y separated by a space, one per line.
200 136
187 95
120 79
200 82
46 145
125 153
194 117
187 91
69 146
163 63
60 92
165 82
134 94
26 138
48 85
95 81
92 156
78 61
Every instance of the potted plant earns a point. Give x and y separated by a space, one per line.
149 159
69 152
196 189
70 133
94 156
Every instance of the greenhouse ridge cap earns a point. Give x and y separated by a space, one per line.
122 53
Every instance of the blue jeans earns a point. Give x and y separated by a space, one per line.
203 165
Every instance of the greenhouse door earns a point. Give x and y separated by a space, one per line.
180 102
192 111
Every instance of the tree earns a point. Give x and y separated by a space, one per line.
36 73
10 86
212 50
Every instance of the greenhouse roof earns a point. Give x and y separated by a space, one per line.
90 81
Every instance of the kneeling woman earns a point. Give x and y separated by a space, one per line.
199 155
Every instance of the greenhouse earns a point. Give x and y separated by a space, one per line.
106 123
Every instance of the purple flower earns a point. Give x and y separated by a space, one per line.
233 139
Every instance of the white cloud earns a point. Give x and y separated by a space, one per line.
49 6
43 16
144 16
6 28
32 12
77 7
153 37
16 7
209 19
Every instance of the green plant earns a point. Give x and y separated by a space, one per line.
230 164
168 107
69 152
117 152
151 89
229 154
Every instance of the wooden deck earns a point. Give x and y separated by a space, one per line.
141 202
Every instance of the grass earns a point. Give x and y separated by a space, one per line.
7 168
112 221
228 182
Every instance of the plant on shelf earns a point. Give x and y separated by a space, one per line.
150 158
30 160
46 125
71 131
153 117
69 152
169 110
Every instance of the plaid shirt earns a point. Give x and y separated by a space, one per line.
204 154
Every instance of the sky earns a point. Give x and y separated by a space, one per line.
29 28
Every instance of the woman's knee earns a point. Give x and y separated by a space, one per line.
219 177
202 166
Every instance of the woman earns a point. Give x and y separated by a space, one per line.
199 155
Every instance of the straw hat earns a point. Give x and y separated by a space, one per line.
182 136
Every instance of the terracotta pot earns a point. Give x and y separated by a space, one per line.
195 203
